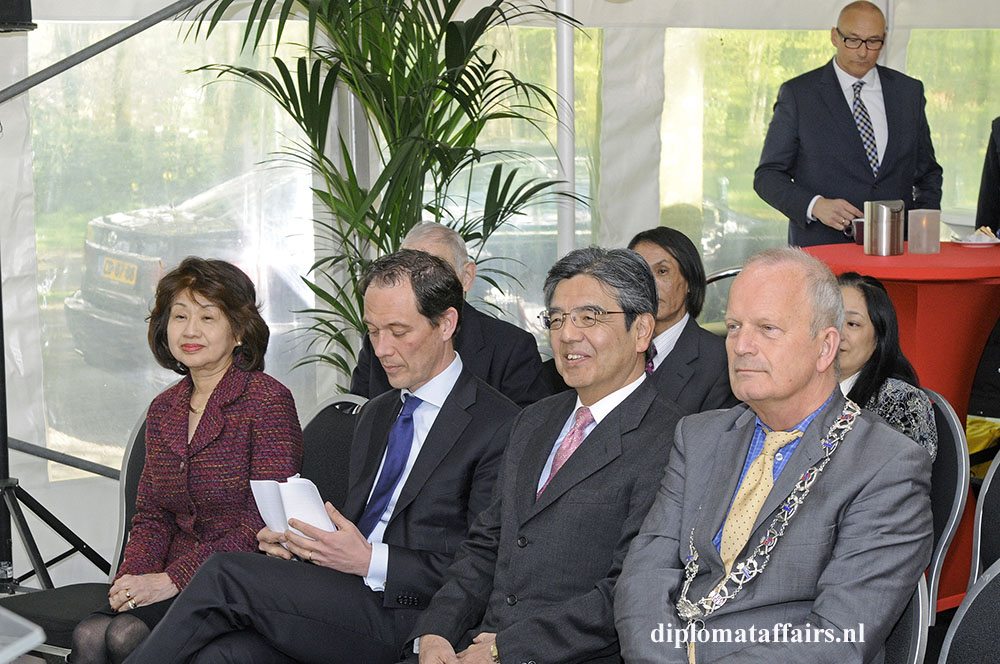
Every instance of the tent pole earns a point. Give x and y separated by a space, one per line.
94 49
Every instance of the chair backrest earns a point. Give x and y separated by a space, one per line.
327 439
907 641
973 635
128 488
949 487
986 531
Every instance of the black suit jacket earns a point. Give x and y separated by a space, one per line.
695 374
503 355
450 483
813 147
988 210
541 573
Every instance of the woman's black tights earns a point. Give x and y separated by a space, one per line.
103 639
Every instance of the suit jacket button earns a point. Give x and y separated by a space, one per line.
522 541
511 600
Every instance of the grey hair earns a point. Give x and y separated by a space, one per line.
431 231
821 285
624 274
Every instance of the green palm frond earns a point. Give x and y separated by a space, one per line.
429 87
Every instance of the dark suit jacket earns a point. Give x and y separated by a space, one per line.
540 573
813 147
988 210
851 554
695 374
503 355
450 483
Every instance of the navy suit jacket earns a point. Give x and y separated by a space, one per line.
695 374
813 147
450 483
503 355
988 210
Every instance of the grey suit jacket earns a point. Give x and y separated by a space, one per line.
852 554
813 147
541 573
695 374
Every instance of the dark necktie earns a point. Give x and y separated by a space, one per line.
396 454
864 123
649 362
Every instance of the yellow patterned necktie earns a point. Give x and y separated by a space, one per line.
757 484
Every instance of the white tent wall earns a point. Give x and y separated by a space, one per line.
635 94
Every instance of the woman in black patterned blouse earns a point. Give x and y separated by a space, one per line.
874 372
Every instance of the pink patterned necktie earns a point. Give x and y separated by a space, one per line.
569 444
649 362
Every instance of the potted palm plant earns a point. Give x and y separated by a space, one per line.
428 87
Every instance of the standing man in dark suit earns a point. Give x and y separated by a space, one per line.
688 363
534 581
798 517
503 355
988 209
847 133
423 464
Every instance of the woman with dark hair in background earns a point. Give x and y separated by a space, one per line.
688 363
224 424
874 372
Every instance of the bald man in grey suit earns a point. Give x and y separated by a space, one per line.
825 560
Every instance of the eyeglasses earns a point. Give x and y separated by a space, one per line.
581 317
873 44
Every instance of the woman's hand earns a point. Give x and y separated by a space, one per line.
130 591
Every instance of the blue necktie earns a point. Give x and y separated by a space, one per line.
396 454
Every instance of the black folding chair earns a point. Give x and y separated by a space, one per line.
949 488
907 641
973 637
59 610
327 438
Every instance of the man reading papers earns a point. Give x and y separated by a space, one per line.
798 516
423 464
534 581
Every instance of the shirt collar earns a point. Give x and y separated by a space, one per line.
436 390
602 407
871 79
804 424
666 340
848 383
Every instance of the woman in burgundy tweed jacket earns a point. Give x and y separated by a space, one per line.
223 425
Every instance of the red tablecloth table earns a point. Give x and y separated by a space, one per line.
947 305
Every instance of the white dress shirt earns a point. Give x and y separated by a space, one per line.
847 384
666 340
433 393
871 95
599 411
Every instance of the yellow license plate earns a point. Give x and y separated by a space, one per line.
117 270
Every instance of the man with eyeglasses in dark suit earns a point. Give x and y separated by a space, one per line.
534 580
848 132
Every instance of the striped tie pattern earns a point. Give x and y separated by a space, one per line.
864 123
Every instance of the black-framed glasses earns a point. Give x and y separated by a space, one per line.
581 317
873 44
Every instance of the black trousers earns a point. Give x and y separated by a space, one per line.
248 608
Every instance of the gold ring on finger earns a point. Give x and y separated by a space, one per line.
132 604
310 556
128 594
